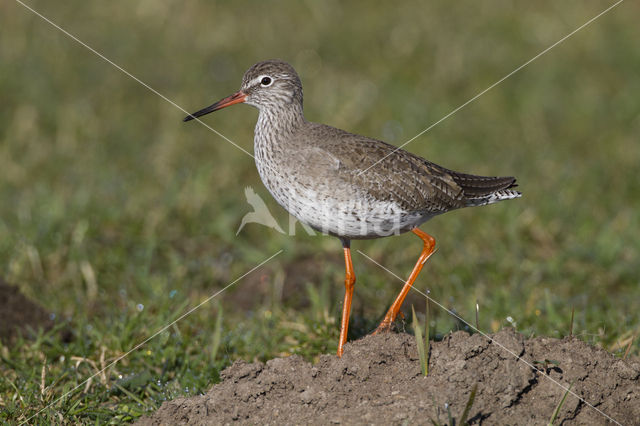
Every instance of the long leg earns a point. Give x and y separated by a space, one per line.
349 283
427 250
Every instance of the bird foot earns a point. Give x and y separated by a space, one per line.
384 327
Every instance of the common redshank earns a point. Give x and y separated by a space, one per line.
347 185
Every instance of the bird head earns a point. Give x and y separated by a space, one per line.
272 84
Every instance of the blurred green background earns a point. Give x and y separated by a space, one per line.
117 217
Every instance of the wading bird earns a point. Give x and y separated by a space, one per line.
347 185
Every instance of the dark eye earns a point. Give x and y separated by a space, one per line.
266 81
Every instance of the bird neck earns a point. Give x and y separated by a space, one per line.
276 122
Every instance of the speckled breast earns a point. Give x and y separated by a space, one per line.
339 211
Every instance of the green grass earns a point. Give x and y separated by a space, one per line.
462 419
556 412
118 217
421 345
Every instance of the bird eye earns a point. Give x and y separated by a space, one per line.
266 81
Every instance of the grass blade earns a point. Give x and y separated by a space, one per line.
477 316
467 408
427 345
217 335
573 309
560 404
417 330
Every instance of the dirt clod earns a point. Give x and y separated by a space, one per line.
378 381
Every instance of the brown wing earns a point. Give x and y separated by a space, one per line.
387 173
401 177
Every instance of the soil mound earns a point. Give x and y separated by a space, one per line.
378 381
19 314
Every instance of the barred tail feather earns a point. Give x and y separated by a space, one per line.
494 197
482 190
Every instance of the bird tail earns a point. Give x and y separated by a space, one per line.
481 190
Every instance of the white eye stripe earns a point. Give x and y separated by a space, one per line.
255 81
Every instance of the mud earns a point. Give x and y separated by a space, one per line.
378 381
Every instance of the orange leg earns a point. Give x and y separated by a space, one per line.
349 284
427 250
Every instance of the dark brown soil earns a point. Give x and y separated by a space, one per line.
19 314
378 381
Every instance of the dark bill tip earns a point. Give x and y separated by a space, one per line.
236 98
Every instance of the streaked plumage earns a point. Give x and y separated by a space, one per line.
348 185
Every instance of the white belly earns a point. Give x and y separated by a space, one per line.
331 211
